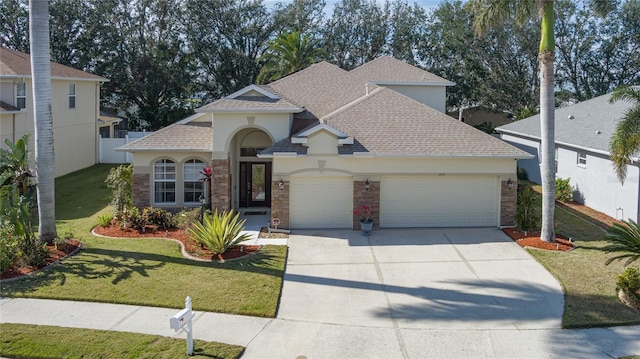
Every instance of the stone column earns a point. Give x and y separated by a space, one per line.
220 185
508 203
141 191
280 203
369 197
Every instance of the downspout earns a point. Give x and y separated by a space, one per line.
95 123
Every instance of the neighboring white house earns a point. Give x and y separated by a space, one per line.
583 134
75 109
319 143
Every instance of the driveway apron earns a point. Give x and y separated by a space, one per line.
410 293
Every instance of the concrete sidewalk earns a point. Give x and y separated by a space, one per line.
272 338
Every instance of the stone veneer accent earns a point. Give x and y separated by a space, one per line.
508 203
371 197
141 192
220 185
280 203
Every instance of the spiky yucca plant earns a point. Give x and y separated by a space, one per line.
625 239
219 231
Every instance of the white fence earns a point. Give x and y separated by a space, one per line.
107 148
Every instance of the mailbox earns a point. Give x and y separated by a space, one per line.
179 320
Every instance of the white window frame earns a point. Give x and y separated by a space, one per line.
556 161
162 176
21 87
72 95
581 159
191 175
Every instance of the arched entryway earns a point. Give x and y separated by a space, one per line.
251 176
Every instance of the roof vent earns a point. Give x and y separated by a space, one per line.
598 132
366 88
571 117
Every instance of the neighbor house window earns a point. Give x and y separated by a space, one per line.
164 181
193 186
582 159
21 95
72 95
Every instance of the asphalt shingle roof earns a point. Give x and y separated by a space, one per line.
589 118
320 88
16 64
387 69
388 123
188 137
253 103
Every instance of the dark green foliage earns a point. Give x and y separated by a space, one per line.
186 217
625 239
522 174
629 283
486 127
130 218
220 231
564 191
158 217
527 219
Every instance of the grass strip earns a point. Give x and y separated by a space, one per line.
40 341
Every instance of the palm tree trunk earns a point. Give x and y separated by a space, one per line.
547 122
43 122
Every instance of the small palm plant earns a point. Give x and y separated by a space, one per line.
624 239
220 231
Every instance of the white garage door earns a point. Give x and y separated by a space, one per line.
439 201
321 202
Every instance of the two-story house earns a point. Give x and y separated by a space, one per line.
319 143
75 109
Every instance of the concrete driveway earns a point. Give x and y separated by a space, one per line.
410 293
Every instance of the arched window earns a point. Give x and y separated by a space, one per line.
193 186
164 181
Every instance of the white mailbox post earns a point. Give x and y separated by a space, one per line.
182 319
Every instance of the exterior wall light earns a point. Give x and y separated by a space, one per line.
367 184
281 185
510 183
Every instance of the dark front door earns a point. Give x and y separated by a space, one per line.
255 184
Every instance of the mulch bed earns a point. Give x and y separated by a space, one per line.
191 247
56 253
532 240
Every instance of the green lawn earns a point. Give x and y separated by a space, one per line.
34 341
149 272
590 297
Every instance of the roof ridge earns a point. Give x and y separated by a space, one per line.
354 102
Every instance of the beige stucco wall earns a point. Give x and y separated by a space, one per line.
432 96
226 125
322 143
74 130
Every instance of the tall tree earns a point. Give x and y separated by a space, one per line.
14 24
41 81
227 37
287 54
491 12
306 16
357 32
625 142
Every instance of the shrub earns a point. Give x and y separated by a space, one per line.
8 245
104 220
624 239
629 283
564 191
219 231
158 217
526 217
522 174
131 218
186 218
120 181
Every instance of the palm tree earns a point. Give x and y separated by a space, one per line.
625 142
625 239
43 122
490 12
288 53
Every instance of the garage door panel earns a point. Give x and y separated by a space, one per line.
321 202
434 201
